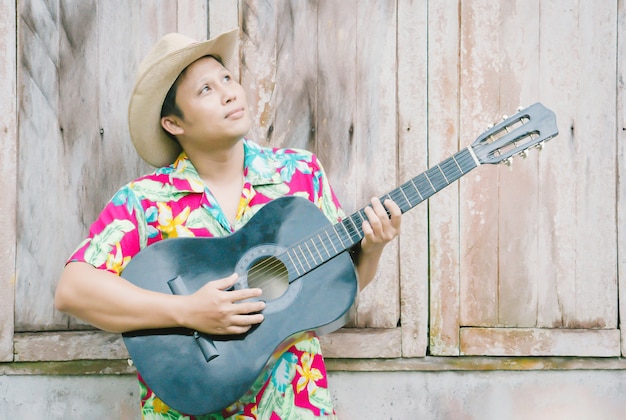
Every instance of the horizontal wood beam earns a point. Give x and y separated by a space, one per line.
417 364
540 342
96 345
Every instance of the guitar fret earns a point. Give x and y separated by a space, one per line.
451 167
322 242
406 198
428 179
301 265
318 251
444 175
417 190
331 240
304 256
309 250
356 228
339 236
457 164
293 263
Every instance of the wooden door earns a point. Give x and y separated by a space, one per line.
536 272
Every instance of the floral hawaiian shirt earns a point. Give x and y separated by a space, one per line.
172 202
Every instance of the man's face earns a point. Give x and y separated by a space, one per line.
214 106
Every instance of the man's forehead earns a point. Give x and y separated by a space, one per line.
199 68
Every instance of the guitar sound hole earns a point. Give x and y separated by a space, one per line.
270 275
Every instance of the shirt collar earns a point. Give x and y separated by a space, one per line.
260 168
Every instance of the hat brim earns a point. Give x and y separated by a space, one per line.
144 110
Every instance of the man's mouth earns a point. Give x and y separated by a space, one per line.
235 113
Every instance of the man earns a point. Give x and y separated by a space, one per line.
188 117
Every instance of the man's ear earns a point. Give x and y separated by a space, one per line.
170 124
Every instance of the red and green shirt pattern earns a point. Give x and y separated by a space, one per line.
174 202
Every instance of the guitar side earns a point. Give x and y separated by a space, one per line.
171 360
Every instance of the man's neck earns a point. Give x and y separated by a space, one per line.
221 166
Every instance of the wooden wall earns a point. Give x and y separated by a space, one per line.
521 261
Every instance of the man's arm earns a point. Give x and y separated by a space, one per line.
113 304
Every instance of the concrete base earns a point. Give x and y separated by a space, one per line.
536 395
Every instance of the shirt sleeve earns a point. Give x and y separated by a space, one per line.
114 238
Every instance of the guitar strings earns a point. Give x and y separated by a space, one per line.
273 266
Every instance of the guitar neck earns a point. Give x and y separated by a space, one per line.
335 239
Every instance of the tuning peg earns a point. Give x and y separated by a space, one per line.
504 117
540 145
520 108
508 162
524 154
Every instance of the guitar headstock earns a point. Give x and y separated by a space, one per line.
530 127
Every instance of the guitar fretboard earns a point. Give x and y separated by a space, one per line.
335 239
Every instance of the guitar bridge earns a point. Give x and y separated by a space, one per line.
208 349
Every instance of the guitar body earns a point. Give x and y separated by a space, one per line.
291 251
172 361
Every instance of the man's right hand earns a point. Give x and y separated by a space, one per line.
214 309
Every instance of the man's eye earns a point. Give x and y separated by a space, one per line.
227 78
205 88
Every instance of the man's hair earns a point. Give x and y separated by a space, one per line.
169 103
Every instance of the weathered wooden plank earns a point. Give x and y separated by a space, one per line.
117 159
556 239
578 194
258 64
73 367
621 166
517 201
596 256
375 134
363 343
336 87
420 364
59 346
39 168
443 209
112 160
192 18
506 283
412 79
480 67
93 345
8 175
336 98
295 93
540 342
223 15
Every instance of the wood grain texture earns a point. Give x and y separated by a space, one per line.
375 134
40 184
380 91
192 18
70 345
578 176
363 343
443 209
222 16
8 175
412 81
621 165
530 241
539 342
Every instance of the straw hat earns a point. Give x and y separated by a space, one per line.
157 73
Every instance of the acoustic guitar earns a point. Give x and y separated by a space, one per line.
299 260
